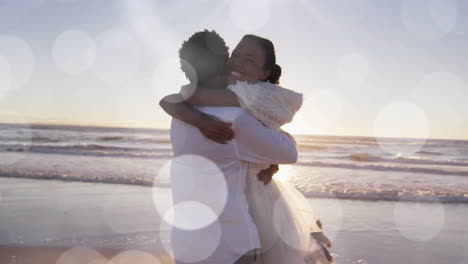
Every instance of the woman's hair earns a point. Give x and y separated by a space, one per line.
270 57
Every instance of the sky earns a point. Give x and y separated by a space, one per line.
385 68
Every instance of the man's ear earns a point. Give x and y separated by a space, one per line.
266 73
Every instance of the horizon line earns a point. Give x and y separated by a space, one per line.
156 128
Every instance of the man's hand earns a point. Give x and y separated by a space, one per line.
215 129
266 175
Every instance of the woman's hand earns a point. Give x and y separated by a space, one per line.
215 129
323 241
266 175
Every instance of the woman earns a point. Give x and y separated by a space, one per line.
282 214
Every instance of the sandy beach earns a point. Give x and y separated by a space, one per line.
43 220
59 255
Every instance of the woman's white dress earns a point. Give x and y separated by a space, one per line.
283 216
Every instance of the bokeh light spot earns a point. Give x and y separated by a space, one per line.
74 51
352 69
419 221
20 56
443 96
185 250
249 16
429 19
118 56
401 119
5 77
134 256
320 102
78 255
168 77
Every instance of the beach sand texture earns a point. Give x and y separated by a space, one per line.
42 221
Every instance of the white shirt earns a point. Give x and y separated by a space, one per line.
212 221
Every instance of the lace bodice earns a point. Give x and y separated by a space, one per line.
273 105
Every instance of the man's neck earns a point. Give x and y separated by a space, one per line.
215 83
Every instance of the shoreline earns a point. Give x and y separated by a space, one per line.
373 197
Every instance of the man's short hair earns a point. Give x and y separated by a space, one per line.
203 56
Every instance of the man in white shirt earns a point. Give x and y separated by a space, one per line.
198 166
211 215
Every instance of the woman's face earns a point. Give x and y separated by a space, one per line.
247 63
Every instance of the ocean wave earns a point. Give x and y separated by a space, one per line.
110 138
378 167
91 150
432 153
392 195
368 194
70 176
312 147
365 157
135 140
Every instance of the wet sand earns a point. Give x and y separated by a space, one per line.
40 220
58 255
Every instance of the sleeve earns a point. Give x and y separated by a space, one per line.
273 105
257 143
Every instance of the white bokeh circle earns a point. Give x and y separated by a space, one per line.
21 59
334 212
197 183
419 221
118 56
190 215
182 249
249 16
320 102
162 197
5 77
401 119
337 14
284 226
168 77
20 135
352 69
78 255
429 19
99 261
443 96
444 14
74 51
134 256
157 38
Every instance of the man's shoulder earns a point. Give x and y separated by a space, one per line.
222 112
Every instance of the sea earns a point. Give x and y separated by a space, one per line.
343 167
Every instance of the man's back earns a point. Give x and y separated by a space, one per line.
208 181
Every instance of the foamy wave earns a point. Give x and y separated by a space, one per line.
334 192
312 147
392 195
90 150
383 168
69 176
432 153
364 157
